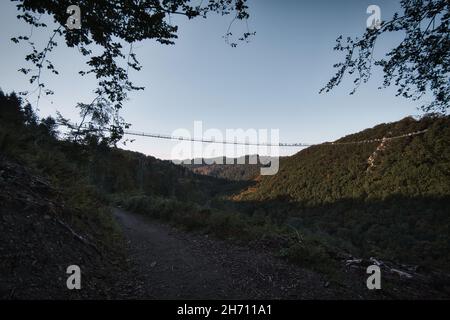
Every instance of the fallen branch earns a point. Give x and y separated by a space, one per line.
79 237
353 261
401 273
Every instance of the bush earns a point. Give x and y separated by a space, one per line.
310 254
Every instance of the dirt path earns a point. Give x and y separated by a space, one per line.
173 264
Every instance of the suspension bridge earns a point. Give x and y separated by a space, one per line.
246 143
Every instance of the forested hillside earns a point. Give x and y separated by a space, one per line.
410 166
392 202
111 171
240 169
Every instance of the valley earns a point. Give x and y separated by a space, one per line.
141 227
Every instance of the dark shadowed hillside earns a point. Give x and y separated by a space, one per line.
111 171
55 200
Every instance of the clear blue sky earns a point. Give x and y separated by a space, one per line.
271 82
